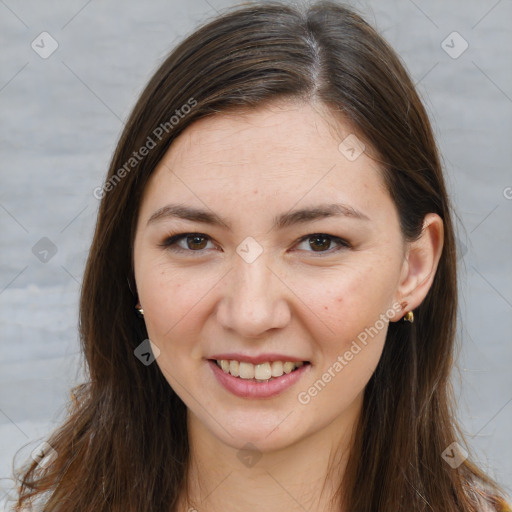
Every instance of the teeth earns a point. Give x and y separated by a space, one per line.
288 367
277 369
246 370
234 368
262 372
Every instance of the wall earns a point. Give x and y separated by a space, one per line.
61 117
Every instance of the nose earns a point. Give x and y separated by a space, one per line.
255 299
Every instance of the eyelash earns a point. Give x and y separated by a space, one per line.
170 242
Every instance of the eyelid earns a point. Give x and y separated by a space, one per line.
170 243
342 242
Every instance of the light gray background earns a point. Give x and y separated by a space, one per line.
60 120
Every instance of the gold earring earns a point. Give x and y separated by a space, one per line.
409 317
138 307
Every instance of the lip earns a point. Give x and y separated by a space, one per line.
246 388
262 358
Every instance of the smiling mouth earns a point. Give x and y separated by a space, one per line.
264 372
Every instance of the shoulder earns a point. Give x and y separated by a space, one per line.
487 501
483 493
485 506
492 504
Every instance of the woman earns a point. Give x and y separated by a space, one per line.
276 222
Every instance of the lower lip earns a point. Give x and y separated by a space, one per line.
251 389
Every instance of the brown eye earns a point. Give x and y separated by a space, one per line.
187 242
319 243
322 243
196 242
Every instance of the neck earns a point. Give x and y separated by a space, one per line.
304 476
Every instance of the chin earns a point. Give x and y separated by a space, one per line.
264 435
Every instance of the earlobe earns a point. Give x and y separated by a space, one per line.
420 264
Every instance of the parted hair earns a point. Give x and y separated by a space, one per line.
123 446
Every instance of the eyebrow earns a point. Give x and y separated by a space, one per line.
280 222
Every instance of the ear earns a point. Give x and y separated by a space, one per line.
420 264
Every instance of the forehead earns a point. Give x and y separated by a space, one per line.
282 132
284 153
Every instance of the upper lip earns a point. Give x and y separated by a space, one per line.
261 358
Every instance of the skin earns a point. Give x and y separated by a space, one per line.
306 298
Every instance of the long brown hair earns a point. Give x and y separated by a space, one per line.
124 444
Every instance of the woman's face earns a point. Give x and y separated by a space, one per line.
266 269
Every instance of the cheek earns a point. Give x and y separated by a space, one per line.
351 300
171 309
355 312
168 297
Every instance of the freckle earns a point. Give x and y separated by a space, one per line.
255 191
